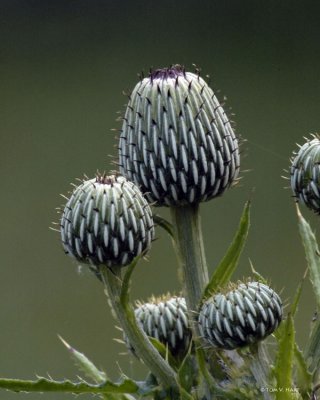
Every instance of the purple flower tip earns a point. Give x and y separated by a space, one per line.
173 71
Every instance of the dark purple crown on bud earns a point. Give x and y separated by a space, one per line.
176 141
164 73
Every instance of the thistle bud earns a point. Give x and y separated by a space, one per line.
106 221
177 142
165 319
246 314
305 174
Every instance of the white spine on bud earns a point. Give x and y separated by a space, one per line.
106 221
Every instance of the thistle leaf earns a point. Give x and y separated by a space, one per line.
304 377
66 386
85 364
284 361
229 263
312 254
312 352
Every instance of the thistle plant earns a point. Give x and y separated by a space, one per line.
177 148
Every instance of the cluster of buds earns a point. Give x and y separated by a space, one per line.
177 147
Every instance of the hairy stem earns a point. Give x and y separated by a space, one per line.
190 251
136 336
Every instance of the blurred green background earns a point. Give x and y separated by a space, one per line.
63 67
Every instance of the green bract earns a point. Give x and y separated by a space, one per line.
244 315
177 142
305 174
165 319
106 221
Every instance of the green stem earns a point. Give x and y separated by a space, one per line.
190 251
136 336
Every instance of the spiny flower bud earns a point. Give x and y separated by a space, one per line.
106 221
305 174
246 314
176 141
165 319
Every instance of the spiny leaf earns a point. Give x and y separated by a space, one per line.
229 263
284 361
297 296
85 364
312 254
304 377
66 386
285 358
312 352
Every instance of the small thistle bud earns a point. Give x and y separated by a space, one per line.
177 142
246 314
305 174
106 221
165 319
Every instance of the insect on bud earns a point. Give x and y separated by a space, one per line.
246 314
305 174
165 319
177 142
106 221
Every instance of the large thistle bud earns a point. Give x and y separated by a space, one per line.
165 319
106 221
305 174
177 142
245 314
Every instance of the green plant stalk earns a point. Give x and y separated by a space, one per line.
136 336
193 271
190 251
